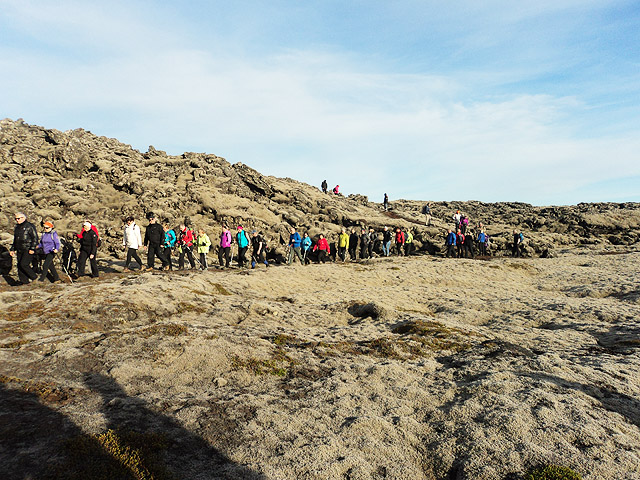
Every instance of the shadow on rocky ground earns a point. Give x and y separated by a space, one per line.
136 443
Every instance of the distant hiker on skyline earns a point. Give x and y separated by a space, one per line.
385 202
131 241
325 186
25 240
427 213
336 190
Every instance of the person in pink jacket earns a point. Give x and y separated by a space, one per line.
224 252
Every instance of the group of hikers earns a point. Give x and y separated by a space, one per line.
35 254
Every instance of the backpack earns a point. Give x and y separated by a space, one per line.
521 237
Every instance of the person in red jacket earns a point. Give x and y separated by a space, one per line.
185 242
323 248
399 241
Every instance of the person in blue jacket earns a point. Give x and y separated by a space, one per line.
243 245
451 243
306 245
167 245
482 243
294 246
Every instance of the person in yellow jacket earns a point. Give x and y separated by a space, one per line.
408 243
203 243
343 244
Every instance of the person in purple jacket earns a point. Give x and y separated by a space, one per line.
224 252
50 244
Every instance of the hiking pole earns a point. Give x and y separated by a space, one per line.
65 270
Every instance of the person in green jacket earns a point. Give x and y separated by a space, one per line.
203 243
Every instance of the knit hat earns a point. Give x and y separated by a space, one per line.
48 224
87 224
239 227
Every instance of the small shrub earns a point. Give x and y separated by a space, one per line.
552 472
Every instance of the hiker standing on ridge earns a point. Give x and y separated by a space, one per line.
427 213
325 186
131 240
385 202
25 240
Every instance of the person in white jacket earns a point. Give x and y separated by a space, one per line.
132 241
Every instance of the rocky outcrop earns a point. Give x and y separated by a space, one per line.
75 175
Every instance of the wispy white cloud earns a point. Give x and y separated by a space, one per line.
308 114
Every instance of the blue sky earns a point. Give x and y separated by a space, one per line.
494 101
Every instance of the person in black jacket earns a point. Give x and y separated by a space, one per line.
25 240
88 249
153 238
353 244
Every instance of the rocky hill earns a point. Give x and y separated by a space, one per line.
75 175
421 367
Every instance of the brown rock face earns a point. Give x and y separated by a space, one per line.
75 175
